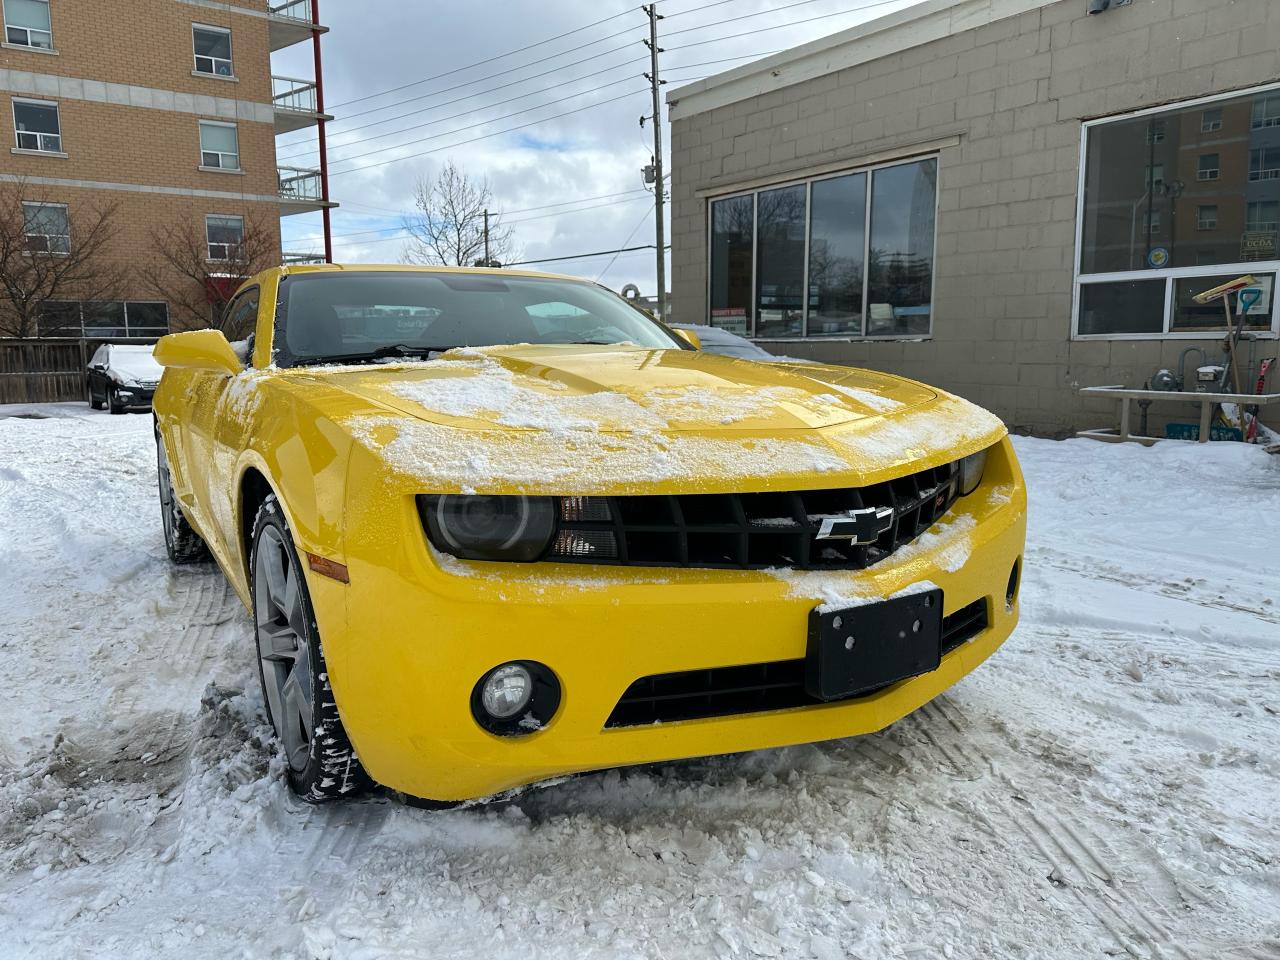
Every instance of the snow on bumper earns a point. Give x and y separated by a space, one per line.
408 640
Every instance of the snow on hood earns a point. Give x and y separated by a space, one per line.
621 389
135 363
533 421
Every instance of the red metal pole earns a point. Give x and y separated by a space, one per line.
324 148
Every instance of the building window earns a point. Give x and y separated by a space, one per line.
847 255
109 319
1264 163
224 235
219 145
1162 222
1155 132
213 50
1262 216
47 227
1266 112
26 23
37 126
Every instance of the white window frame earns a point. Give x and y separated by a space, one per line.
226 247
4 14
40 137
1203 223
221 164
1210 126
1264 172
807 183
1206 175
65 237
1168 274
197 57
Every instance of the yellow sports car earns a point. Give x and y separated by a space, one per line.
496 527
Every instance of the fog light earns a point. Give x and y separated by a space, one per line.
506 691
516 698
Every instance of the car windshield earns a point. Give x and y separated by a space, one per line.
354 317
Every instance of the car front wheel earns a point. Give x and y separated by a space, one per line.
322 765
113 403
181 541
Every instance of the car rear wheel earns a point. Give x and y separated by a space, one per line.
322 765
94 402
181 541
112 402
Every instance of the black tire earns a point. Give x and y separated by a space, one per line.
181 541
326 768
115 405
95 404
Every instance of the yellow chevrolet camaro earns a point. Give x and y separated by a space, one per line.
496 527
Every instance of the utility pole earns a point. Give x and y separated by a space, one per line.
658 182
486 238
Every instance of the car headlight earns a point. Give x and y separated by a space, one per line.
971 468
489 527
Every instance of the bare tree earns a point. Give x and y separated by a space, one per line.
198 285
449 228
39 263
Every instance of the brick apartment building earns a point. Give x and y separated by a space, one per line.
169 109
1008 198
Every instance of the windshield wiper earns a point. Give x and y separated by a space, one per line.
382 353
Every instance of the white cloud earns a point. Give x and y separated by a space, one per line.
383 44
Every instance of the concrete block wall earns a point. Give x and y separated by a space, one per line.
1014 92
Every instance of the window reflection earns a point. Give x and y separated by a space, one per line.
900 287
837 237
780 270
731 227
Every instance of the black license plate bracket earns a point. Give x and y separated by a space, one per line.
863 648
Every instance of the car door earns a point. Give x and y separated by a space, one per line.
97 375
210 467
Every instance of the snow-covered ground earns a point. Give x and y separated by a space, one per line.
1107 785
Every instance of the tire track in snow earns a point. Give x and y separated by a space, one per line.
1080 860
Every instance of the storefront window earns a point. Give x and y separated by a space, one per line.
817 272
1167 195
780 271
732 222
901 267
837 237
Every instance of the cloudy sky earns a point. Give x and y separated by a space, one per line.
553 126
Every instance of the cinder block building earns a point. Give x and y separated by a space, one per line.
1008 198
169 110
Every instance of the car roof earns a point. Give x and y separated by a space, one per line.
317 268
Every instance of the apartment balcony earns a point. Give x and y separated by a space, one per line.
295 103
300 191
289 22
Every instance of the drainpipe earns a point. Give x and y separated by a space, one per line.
324 148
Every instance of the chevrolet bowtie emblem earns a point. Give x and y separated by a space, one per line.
861 526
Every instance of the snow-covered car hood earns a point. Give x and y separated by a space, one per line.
626 389
137 365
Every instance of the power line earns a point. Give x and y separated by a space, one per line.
793 23
580 256
499 56
688 66
486 136
634 230
745 16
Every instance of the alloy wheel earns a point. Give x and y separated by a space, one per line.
283 647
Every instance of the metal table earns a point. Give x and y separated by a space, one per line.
1207 402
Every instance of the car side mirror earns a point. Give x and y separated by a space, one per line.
689 337
198 350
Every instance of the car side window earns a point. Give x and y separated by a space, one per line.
242 315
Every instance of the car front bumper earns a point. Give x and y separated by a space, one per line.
411 635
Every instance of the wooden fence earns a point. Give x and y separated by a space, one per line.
46 370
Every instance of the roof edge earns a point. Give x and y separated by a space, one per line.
870 40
